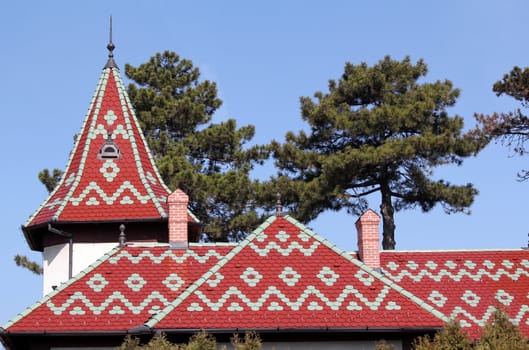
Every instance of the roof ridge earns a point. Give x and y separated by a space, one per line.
61 287
101 93
455 250
103 80
144 140
127 113
116 180
151 323
373 272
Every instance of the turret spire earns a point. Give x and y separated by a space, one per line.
111 63
110 176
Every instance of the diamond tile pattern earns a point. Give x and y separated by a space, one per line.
123 291
284 276
95 189
466 285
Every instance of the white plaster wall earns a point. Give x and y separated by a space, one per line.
56 260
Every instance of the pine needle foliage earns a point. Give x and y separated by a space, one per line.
251 341
501 334
450 338
383 345
379 129
509 128
209 161
24 262
199 341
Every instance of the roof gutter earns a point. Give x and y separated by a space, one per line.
299 330
4 339
6 333
144 330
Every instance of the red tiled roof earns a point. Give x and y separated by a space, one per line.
122 291
282 276
286 277
466 285
106 189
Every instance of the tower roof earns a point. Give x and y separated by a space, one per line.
111 175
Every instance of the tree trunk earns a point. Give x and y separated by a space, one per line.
388 221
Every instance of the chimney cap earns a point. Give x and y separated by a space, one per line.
369 215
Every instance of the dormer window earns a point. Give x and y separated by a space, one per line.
109 150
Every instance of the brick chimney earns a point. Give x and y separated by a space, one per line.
177 202
369 238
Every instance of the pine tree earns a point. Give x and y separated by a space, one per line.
210 162
24 262
451 337
50 180
251 341
383 345
377 130
501 334
199 341
512 128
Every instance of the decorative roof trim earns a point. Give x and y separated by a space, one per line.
193 287
127 114
61 287
197 220
82 161
199 282
371 271
142 137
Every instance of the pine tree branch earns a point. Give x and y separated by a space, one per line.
32 266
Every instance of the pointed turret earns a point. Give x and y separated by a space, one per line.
110 174
110 182
110 178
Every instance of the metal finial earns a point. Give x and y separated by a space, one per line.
122 237
111 63
279 206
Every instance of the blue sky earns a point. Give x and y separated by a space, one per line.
263 56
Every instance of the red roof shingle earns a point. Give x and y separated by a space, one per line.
122 291
107 189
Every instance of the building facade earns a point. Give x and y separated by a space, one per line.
121 258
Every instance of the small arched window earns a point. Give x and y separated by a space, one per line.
109 150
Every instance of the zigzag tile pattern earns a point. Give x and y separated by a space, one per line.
466 285
123 291
286 277
95 189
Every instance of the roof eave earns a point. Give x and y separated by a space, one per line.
26 230
144 330
110 221
363 329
